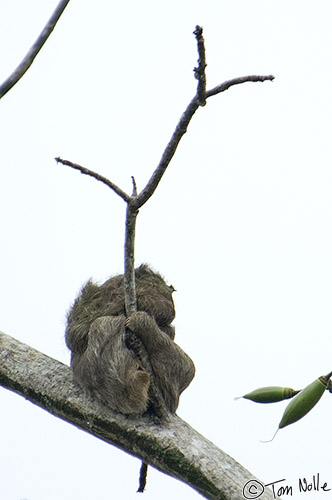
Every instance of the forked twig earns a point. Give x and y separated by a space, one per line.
139 200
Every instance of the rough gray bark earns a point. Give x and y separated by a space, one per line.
172 447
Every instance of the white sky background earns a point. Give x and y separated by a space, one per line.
240 224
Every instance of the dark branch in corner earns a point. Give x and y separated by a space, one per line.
30 56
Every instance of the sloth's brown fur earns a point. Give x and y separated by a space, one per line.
102 364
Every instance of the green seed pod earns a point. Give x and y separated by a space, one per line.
271 394
304 401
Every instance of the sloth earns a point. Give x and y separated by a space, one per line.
102 364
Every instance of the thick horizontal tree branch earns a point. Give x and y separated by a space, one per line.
36 47
172 447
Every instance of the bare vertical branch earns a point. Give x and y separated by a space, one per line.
129 264
132 341
134 186
200 70
36 47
